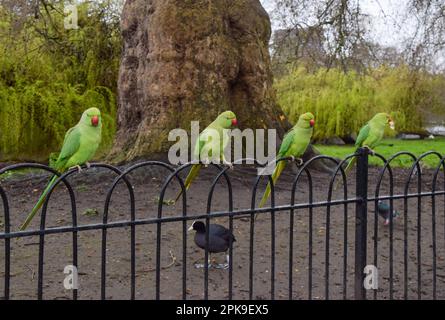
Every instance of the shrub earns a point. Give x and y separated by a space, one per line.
344 102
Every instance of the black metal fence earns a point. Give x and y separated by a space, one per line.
365 245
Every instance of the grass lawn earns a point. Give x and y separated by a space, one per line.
391 146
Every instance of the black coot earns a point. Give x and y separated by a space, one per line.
219 238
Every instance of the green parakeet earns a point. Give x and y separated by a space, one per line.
294 145
79 146
208 149
371 135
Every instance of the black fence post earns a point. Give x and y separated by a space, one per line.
361 211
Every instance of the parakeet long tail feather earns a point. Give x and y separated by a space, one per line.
347 169
191 176
277 172
39 204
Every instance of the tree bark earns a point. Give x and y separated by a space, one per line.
189 60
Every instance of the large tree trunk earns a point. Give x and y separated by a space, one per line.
187 60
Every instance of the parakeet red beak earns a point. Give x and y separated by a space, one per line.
95 121
312 122
392 125
234 122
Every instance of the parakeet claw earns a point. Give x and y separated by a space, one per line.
299 162
371 152
79 169
229 164
88 165
206 163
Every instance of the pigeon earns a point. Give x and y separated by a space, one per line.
384 209
220 239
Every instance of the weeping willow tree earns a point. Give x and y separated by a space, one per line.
343 101
50 74
328 61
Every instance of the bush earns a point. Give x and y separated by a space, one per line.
34 118
49 75
344 102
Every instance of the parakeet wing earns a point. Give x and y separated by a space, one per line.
363 134
70 145
285 145
205 139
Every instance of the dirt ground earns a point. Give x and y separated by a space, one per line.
91 187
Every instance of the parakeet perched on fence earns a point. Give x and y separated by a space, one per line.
294 145
371 135
79 147
207 149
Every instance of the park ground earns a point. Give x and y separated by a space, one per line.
91 187
389 147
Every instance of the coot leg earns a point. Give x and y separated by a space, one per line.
202 265
223 265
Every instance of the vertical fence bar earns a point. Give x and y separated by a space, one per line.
272 245
75 247
251 238
103 273
433 234
376 237
291 246
251 248
310 241
184 249
158 254
327 250
133 261
405 246
7 243
391 250
419 234
361 222
207 253
345 249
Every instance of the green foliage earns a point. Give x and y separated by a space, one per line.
344 102
49 75
34 118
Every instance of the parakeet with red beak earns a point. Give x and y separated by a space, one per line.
294 145
79 147
371 135
209 150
